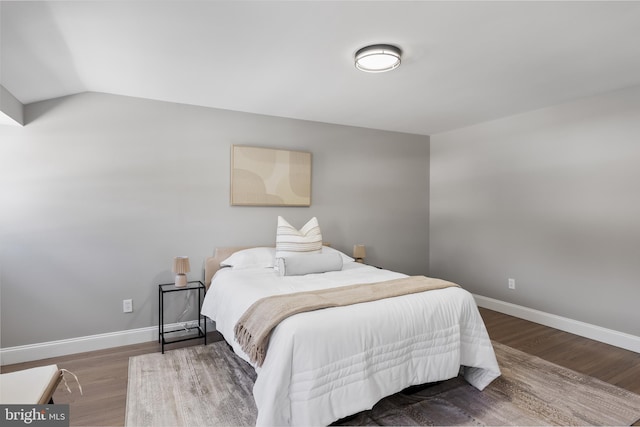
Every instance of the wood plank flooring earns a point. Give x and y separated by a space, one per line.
607 363
103 374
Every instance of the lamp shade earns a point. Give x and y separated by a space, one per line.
181 265
378 58
359 252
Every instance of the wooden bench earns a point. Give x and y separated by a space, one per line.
30 386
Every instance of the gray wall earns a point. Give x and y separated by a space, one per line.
99 192
11 110
550 198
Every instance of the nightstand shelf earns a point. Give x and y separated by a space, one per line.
182 334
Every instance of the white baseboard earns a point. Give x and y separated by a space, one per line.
45 350
587 330
27 353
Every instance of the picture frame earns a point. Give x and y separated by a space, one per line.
270 177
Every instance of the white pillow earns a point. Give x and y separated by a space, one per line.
251 258
291 241
298 265
330 250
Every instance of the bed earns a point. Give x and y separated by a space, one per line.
327 364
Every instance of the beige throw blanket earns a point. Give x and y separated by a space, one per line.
254 327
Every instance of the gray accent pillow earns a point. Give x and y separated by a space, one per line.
297 265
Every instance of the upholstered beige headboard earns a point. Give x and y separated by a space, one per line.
212 264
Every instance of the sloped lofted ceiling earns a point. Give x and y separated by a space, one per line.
463 62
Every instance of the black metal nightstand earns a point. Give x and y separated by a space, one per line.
192 332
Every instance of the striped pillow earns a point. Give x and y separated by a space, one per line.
290 241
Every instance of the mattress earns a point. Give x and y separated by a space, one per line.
327 364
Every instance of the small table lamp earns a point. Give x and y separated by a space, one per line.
359 253
181 268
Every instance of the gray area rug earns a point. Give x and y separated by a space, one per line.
210 386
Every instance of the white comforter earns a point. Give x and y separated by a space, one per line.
327 364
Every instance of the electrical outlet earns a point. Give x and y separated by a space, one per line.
127 306
512 283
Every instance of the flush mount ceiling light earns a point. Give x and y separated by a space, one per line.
378 58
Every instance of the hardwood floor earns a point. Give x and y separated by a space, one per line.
103 374
607 363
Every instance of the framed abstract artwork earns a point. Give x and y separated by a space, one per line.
270 177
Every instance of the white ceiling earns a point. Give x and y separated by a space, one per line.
463 62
